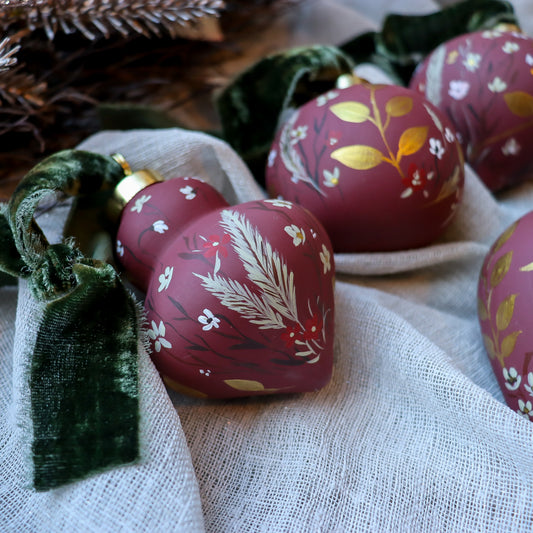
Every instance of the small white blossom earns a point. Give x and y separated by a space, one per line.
139 203
325 257
331 179
157 334
188 192
491 34
160 226
297 234
164 279
509 47
472 61
299 134
436 148
512 378
524 409
209 320
120 249
458 89
206 373
497 85
448 135
323 99
511 147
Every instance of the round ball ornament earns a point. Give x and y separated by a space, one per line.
378 165
505 293
483 81
239 299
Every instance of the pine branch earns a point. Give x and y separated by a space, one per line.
96 18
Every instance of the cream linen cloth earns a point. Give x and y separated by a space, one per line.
410 435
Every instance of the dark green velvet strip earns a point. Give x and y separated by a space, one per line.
406 39
83 376
250 107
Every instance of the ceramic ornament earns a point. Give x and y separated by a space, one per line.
378 165
239 299
505 296
483 82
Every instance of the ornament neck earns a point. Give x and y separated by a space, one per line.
130 185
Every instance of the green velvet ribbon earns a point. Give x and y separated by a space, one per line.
253 105
83 375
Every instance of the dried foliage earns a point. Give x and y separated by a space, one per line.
60 60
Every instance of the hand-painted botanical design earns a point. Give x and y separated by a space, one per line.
485 86
501 304
305 166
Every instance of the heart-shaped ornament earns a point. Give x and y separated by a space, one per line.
239 299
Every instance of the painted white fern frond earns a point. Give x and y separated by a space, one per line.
264 265
289 156
240 299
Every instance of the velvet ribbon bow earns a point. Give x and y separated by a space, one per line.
83 375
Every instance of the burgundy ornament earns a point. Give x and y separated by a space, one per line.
505 294
239 299
483 81
378 165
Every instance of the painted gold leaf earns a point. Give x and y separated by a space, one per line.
351 111
508 345
501 268
411 140
519 103
489 346
482 312
398 106
358 156
247 385
504 237
505 312
527 268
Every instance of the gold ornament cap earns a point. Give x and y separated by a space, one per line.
129 186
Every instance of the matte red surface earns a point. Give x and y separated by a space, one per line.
401 199
240 299
505 303
483 82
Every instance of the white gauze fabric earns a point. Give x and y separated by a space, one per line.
411 434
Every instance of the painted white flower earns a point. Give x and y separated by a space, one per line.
449 135
331 179
139 203
160 226
120 249
313 233
297 234
511 147
524 408
157 334
209 320
279 202
458 89
510 48
497 85
323 99
529 60
436 148
195 178
491 34
164 279
188 192
272 157
325 257
512 378
206 373
472 61
529 386
299 134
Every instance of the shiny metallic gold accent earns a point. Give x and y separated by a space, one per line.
129 186
347 80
